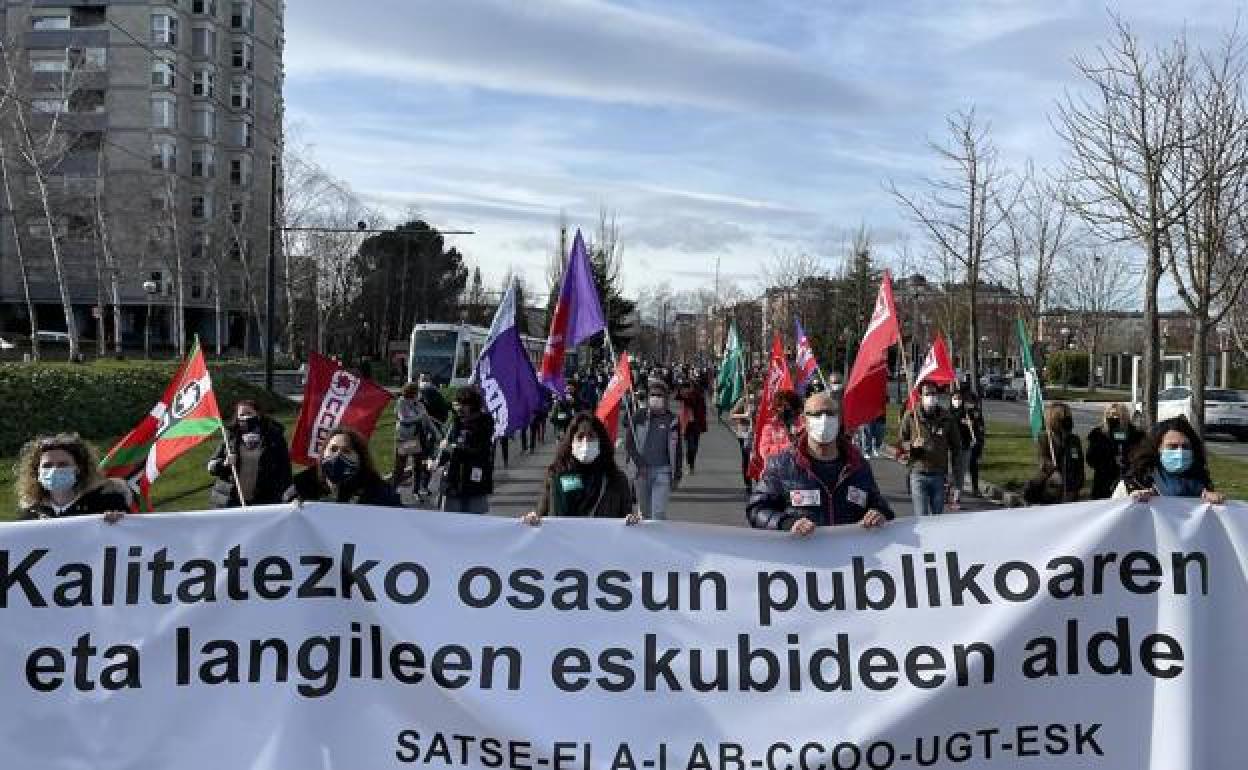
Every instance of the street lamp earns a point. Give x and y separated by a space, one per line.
149 288
1065 332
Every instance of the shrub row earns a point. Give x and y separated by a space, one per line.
99 402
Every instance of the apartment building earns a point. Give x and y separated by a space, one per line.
154 123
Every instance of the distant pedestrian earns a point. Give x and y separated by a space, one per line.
742 420
692 420
563 409
653 445
467 453
973 418
928 435
1111 446
1059 455
414 438
781 430
254 457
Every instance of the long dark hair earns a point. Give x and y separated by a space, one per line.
1147 456
368 469
603 463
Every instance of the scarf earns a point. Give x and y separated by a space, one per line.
1176 485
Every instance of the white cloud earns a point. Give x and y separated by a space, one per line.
583 49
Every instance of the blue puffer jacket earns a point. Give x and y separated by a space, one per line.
789 490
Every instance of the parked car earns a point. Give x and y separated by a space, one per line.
6 344
993 386
58 338
1226 411
1015 389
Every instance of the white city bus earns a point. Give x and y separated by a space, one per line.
448 352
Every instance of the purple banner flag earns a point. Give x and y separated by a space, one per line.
578 314
505 374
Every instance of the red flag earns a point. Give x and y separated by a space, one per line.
866 394
937 369
778 379
620 385
334 396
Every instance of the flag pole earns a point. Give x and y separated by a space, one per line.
229 455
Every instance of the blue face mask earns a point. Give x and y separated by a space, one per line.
1176 460
58 479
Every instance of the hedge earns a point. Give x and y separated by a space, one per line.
99 402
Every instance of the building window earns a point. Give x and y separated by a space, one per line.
203 164
50 20
157 201
49 105
240 172
164 112
48 61
240 93
197 283
88 59
163 74
204 42
236 250
164 29
241 53
201 206
243 134
204 122
204 84
165 156
237 212
242 16
204 7
87 100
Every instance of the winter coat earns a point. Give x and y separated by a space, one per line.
308 487
1061 473
693 410
941 437
789 490
272 475
1110 458
587 492
635 440
469 456
108 495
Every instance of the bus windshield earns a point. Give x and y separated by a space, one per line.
433 352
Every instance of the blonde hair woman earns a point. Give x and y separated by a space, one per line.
1059 455
58 476
1111 446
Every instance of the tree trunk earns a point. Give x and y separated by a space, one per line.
179 299
217 309
100 341
1200 343
1152 331
21 256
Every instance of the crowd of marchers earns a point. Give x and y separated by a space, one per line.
801 471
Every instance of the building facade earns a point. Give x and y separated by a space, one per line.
156 123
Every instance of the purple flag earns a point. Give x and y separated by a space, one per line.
506 377
578 314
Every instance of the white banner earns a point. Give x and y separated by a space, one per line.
1097 635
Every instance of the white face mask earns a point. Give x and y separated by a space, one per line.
929 402
585 451
657 403
823 429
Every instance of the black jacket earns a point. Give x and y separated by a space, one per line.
589 492
1060 481
1110 458
111 495
469 456
272 477
307 486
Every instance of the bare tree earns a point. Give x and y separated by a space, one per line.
961 211
1096 283
1037 236
1207 253
1121 140
110 266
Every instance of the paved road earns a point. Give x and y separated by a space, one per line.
712 495
1088 415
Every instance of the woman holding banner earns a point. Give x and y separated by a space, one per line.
58 476
344 473
584 480
1172 464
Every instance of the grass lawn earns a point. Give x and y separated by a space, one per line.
1060 394
184 485
1009 460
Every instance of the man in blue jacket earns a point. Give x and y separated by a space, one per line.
822 481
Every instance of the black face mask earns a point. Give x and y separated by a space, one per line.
248 424
1112 425
1067 424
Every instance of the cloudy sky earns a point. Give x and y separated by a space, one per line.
737 129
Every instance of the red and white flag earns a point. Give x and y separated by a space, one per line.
621 385
937 369
334 396
866 392
778 379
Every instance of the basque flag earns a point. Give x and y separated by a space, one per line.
807 366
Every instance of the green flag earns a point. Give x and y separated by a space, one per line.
1035 398
731 381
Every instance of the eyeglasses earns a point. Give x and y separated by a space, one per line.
822 413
